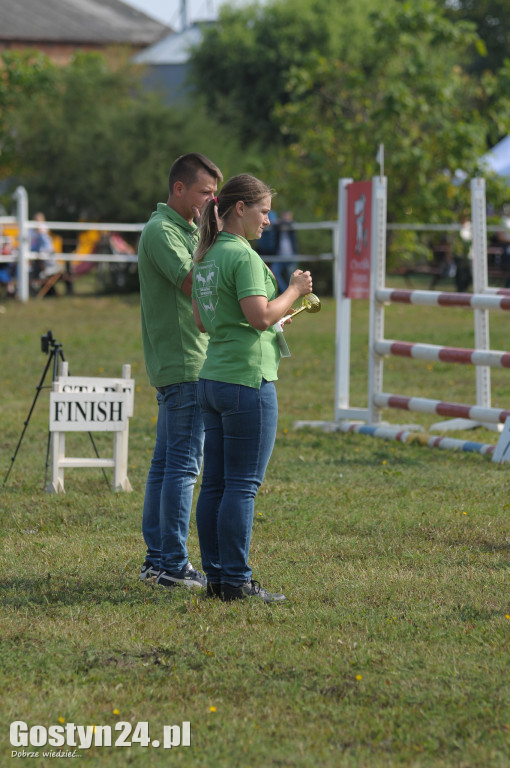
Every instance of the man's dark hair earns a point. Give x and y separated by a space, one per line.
187 167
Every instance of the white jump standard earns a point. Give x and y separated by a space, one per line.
481 356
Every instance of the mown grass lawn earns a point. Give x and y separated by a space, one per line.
393 648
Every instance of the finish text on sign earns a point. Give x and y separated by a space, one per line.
88 412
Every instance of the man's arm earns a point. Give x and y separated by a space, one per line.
187 283
196 316
169 254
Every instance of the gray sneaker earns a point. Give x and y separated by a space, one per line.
188 577
148 572
249 589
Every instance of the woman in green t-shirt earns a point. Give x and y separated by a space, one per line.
235 301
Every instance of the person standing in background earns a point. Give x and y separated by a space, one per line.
504 239
286 247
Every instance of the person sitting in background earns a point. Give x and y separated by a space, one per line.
41 243
7 269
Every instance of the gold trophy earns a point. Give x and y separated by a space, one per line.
310 303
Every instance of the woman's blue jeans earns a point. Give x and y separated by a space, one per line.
172 475
240 431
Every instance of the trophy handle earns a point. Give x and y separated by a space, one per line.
310 303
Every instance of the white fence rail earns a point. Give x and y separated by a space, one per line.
22 255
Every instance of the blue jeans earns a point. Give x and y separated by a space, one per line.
240 431
172 475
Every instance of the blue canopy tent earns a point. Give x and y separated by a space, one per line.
498 159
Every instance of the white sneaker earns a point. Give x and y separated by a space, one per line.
188 577
148 572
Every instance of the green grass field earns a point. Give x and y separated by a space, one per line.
393 648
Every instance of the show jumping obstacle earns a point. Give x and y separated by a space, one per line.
354 237
408 436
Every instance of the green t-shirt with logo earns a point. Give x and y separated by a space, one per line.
174 348
237 352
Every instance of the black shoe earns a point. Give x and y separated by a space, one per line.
188 577
148 572
213 589
249 589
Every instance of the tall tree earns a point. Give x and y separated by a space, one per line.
492 20
401 83
23 76
410 94
242 65
88 143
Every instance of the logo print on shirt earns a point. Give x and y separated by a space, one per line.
207 287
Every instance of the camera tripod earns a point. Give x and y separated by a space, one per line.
55 352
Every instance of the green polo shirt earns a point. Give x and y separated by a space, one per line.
237 352
174 348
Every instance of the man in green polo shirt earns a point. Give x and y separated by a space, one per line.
174 353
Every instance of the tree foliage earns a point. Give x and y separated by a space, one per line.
299 92
241 67
492 20
410 95
396 79
87 143
22 77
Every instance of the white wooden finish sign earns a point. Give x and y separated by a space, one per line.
88 412
86 404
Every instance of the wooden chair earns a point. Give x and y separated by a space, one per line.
49 283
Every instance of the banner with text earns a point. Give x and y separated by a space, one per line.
357 254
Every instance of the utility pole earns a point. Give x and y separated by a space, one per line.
184 15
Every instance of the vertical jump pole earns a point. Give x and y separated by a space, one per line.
480 280
377 280
21 198
343 307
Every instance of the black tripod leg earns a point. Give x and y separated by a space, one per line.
57 352
38 390
61 353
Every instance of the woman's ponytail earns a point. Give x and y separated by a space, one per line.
243 187
208 229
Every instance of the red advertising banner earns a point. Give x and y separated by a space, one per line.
357 254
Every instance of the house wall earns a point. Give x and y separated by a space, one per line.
61 53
